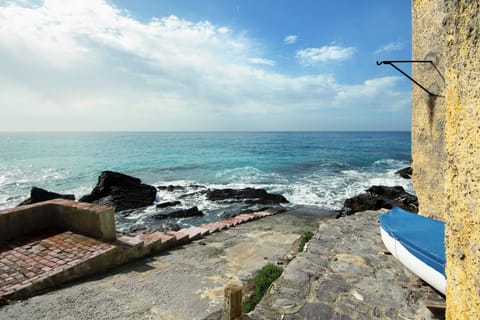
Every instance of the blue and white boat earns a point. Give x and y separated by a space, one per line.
418 243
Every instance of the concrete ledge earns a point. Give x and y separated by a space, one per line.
89 219
94 220
19 221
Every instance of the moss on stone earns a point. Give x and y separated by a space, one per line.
262 281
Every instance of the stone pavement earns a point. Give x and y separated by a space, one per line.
345 273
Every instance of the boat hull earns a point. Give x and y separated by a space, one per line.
412 240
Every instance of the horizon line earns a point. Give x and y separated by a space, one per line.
194 131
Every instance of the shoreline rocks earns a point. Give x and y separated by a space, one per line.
405 173
168 204
39 195
378 197
121 191
248 195
182 213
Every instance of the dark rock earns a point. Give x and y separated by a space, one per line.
184 213
405 173
136 229
196 186
169 226
387 192
39 195
378 197
168 204
142 229
170 188
190 194
247 195
362 202
120 191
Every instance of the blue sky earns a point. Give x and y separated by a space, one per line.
203 65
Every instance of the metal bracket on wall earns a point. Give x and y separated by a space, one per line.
392 63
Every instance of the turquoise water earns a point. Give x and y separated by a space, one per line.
308 168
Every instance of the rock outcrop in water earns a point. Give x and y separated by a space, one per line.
121 192
247 195
378 197
405 173
168 204
183 213
142 229
39 195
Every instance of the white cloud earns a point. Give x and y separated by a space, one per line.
389 47
264 61
366 93
290 39
324 54
86 65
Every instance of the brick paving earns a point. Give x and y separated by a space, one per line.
23 262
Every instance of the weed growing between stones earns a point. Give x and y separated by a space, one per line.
262 281
305 237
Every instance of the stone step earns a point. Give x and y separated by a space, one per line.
262 214
128 241
158 241
195 232
214 226
231 222
247 216
180 236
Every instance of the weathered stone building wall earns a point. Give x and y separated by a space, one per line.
428 112
462 176
446 137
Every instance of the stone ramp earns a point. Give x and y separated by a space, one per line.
346 274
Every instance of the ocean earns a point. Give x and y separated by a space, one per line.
313 169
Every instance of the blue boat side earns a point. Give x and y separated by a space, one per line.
421 236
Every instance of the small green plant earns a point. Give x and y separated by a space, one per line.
305 237
262 281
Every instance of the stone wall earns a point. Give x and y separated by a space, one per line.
446 137
428 112
85 218
462 176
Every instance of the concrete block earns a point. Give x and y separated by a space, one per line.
232 303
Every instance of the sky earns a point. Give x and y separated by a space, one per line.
191 65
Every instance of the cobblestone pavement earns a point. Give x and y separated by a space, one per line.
347 274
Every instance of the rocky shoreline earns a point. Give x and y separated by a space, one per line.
130 197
